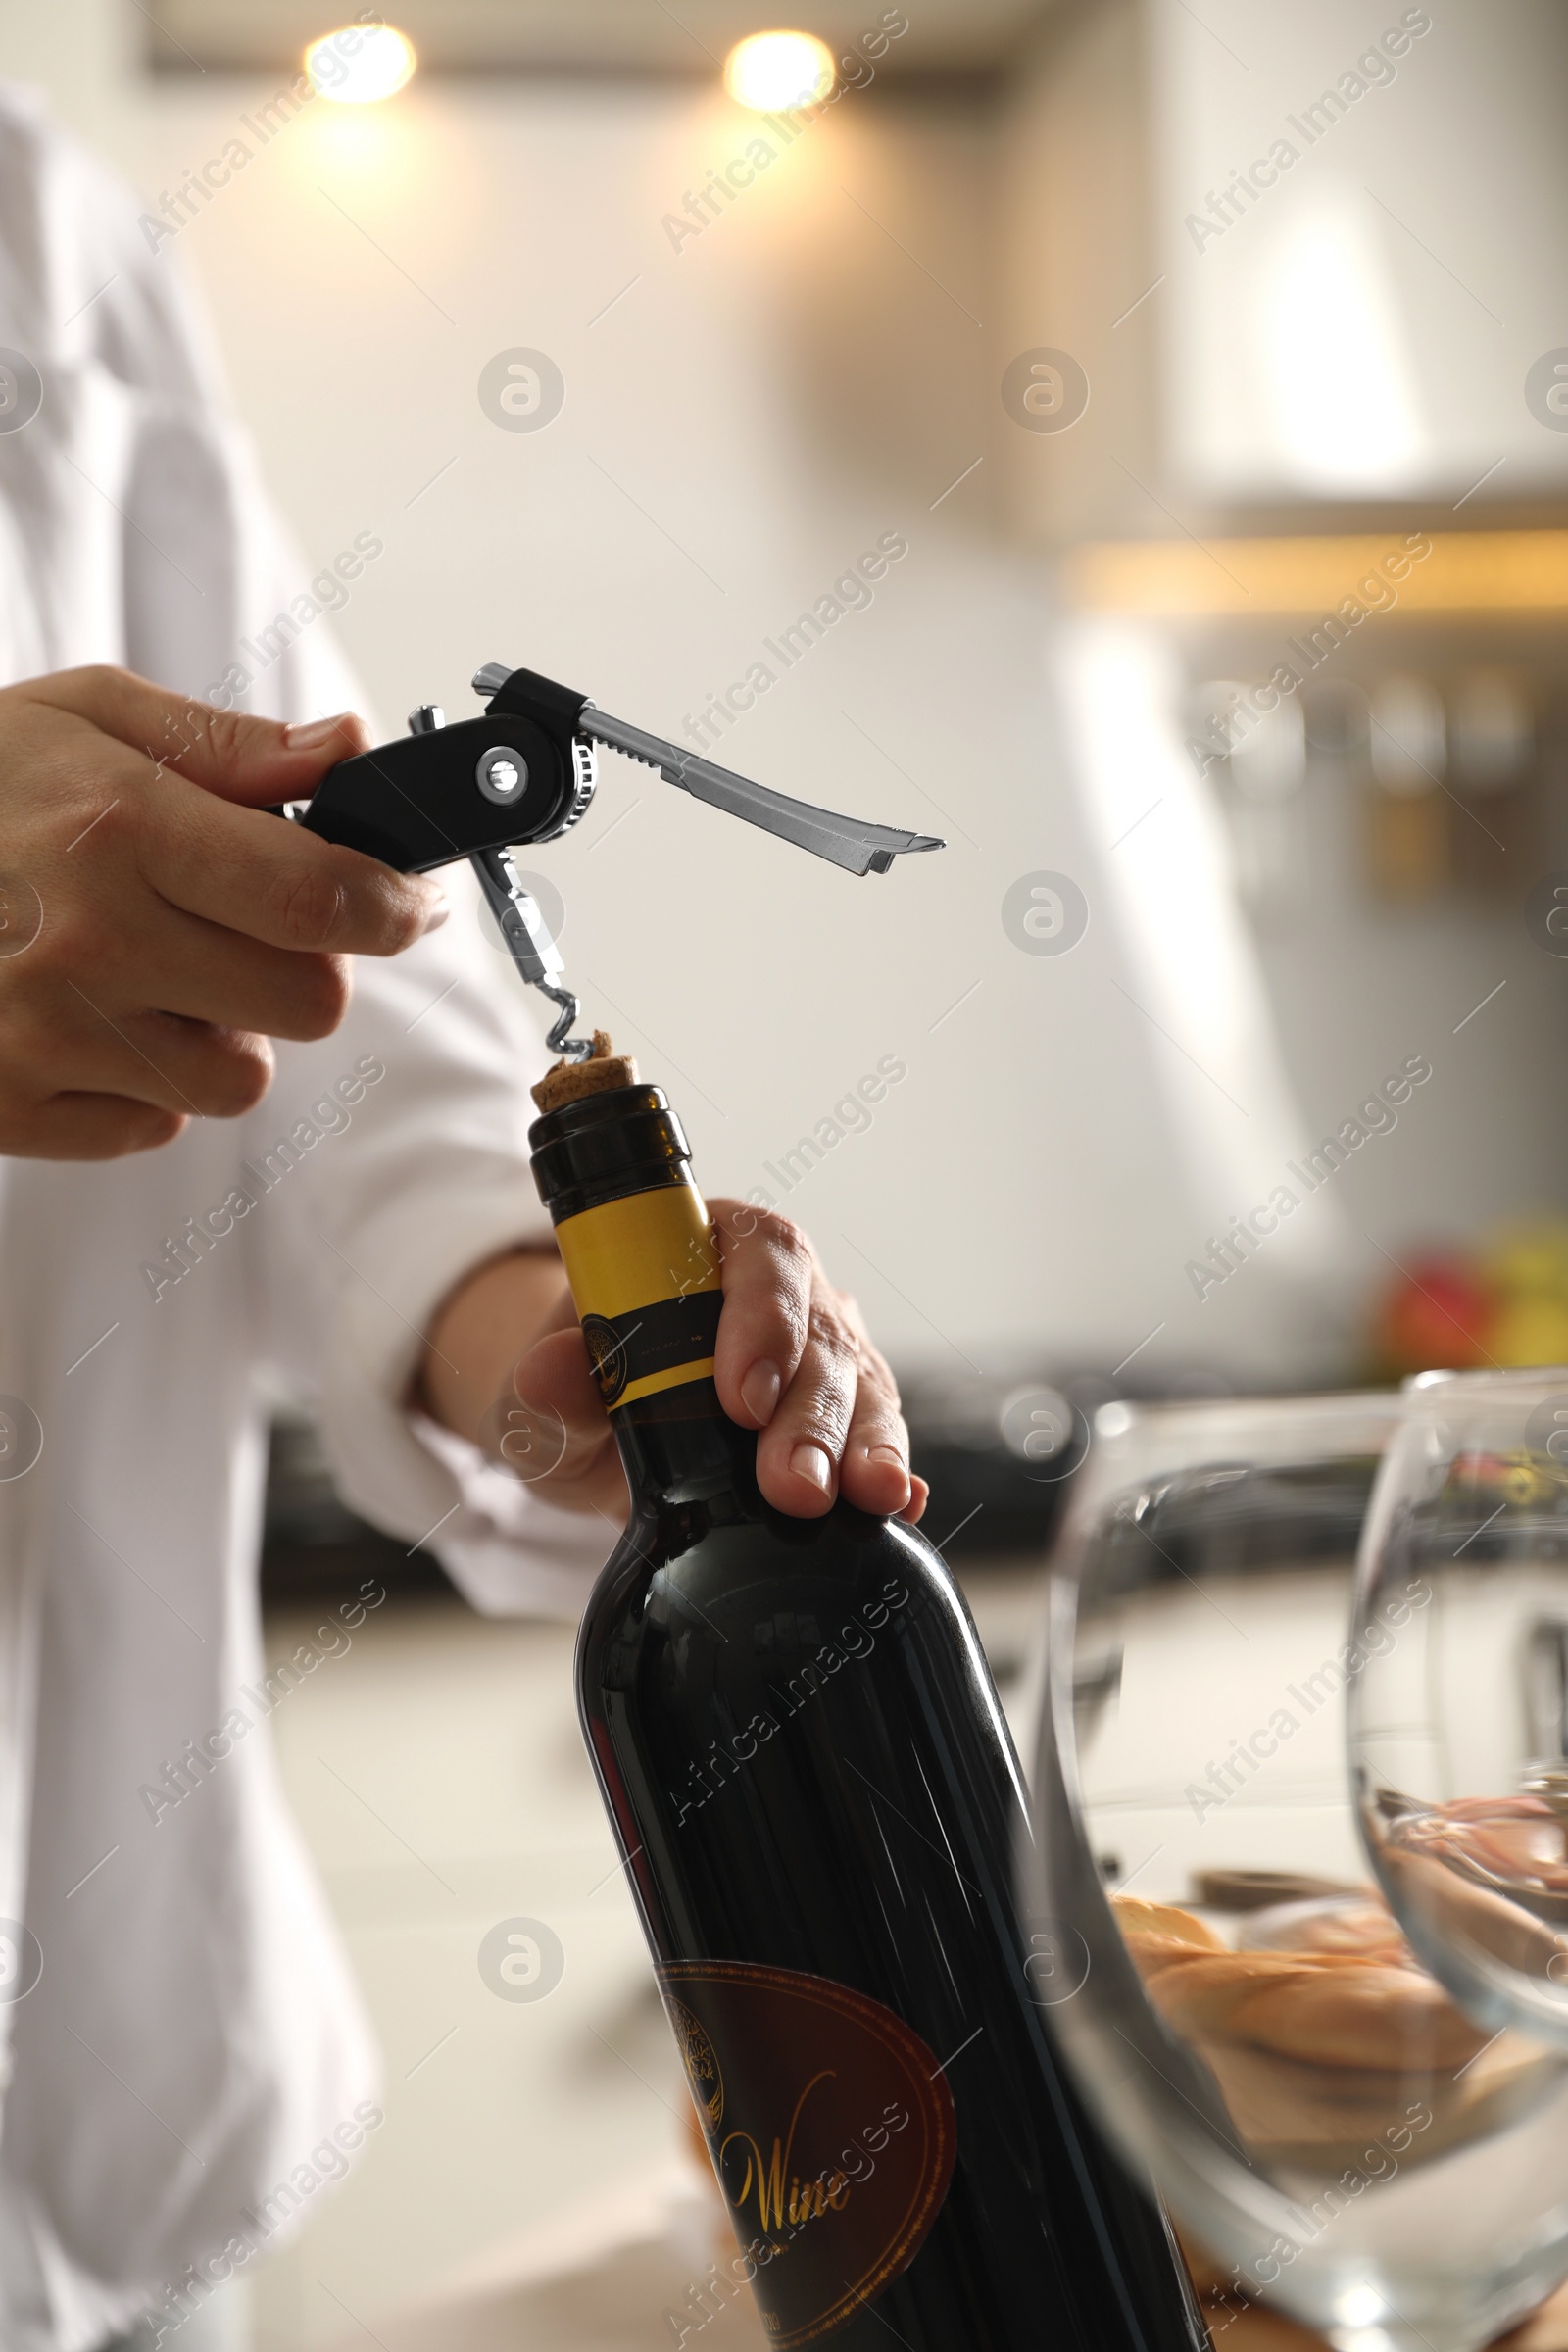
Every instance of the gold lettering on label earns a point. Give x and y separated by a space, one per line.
802 2203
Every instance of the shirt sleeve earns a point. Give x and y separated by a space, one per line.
390 1160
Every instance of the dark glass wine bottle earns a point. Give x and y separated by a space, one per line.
808 1769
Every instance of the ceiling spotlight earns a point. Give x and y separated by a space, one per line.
772 69
359 62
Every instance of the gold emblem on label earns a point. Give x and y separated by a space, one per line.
701 2061
607 1354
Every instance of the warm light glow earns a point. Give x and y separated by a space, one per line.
1461 571
359 62
772 69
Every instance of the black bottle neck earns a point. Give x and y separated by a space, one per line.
680 1446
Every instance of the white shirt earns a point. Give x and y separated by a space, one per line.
194 2032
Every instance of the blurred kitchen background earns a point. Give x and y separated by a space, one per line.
1157 412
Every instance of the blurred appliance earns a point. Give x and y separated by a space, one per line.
998 1455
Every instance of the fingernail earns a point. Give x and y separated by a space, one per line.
760 1390
311 734
811 1462
436 913
888 1453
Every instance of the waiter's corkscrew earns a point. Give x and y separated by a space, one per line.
525 774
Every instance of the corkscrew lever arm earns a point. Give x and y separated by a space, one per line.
852 842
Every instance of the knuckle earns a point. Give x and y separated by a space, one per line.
106 689
824 1422
48 962
69 941
234 1072
788 1239
397 912
323 993
844 1308
821 1394
223 730
832 1331
881 1426
876 1373
103 954
308 906
193 725
737 1220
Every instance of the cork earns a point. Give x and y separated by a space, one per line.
569 1081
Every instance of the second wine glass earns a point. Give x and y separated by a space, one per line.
1459 1732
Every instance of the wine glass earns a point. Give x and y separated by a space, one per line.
1459 1730
1332 2132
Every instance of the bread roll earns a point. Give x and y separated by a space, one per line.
1326 2011
1353 1998
1135 1917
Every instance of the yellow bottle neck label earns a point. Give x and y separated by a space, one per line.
644 1274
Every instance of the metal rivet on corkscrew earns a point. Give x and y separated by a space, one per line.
503 774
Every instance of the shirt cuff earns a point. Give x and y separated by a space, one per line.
508 1550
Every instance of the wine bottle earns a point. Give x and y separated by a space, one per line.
817 1799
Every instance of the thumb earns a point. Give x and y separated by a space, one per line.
552 1423
229 753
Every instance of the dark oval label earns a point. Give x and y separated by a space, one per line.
831 2129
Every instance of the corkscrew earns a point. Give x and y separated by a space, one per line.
525 774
